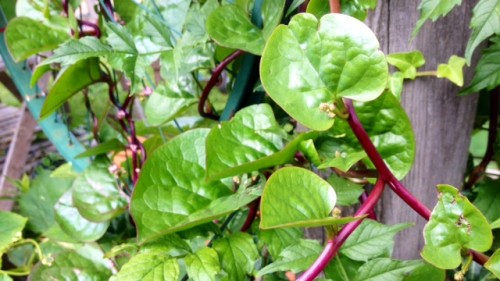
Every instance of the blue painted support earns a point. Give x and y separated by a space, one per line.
55 130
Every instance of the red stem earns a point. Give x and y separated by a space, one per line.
335 6
212 82
252 212
362 199
333 245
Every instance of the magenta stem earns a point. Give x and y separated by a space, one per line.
333 245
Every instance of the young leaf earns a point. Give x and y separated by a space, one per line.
96 194
347 192
277 240
395 84
26 37
309 199
172 185
407 63
487 198
70 81
203 265
455 224
237 255
371 239
166 102
38 203
11 227
252 134
453 71
344 161
319 8
349 65
75 50
484 23
493 264
495 224
433 9
102 148
230 26
295 258
487 72
154 267
385 269
74 224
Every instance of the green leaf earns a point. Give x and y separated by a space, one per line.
172 185
171 245
426 272
358 9
455 224
484 23
344 161
237 255
252 134
179 62
11 227
453 71
385 269
493 263
486 201
75 50
495 224
103 148
433 10
342 268
318 8
309 150
272 12
96 194
395 84
407 63
230 27
487 72
295 258
83 263
70 81
371 239
74 224
277 240
308 63
38 203
309 199
26 37
203 265
347 192
389 128
39 71
149 267
5 277
166 102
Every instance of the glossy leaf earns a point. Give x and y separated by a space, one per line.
385 269
96 194
493 263
230 26
309 199
426 272
358 9
149 267
277 240
455 224
70 81
344 161
453 71
103 148
395 84
83 263
371 239
11 227
487 72
171 245
299 80
495 224
237 255
165 103
407 63
347 192
203 265
172 185
252 134
272 12
179 62
38 203
74 224
433 10
295 258
487 198
484 23
389 129
26 37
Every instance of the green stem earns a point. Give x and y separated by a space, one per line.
426 73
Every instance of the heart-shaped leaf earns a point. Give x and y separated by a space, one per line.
407 63
11 226
203 265
310 62
172 185
455 225
237 255
166 102
453 71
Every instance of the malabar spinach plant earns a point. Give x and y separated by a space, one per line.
220 130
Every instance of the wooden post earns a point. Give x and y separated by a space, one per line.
442 121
